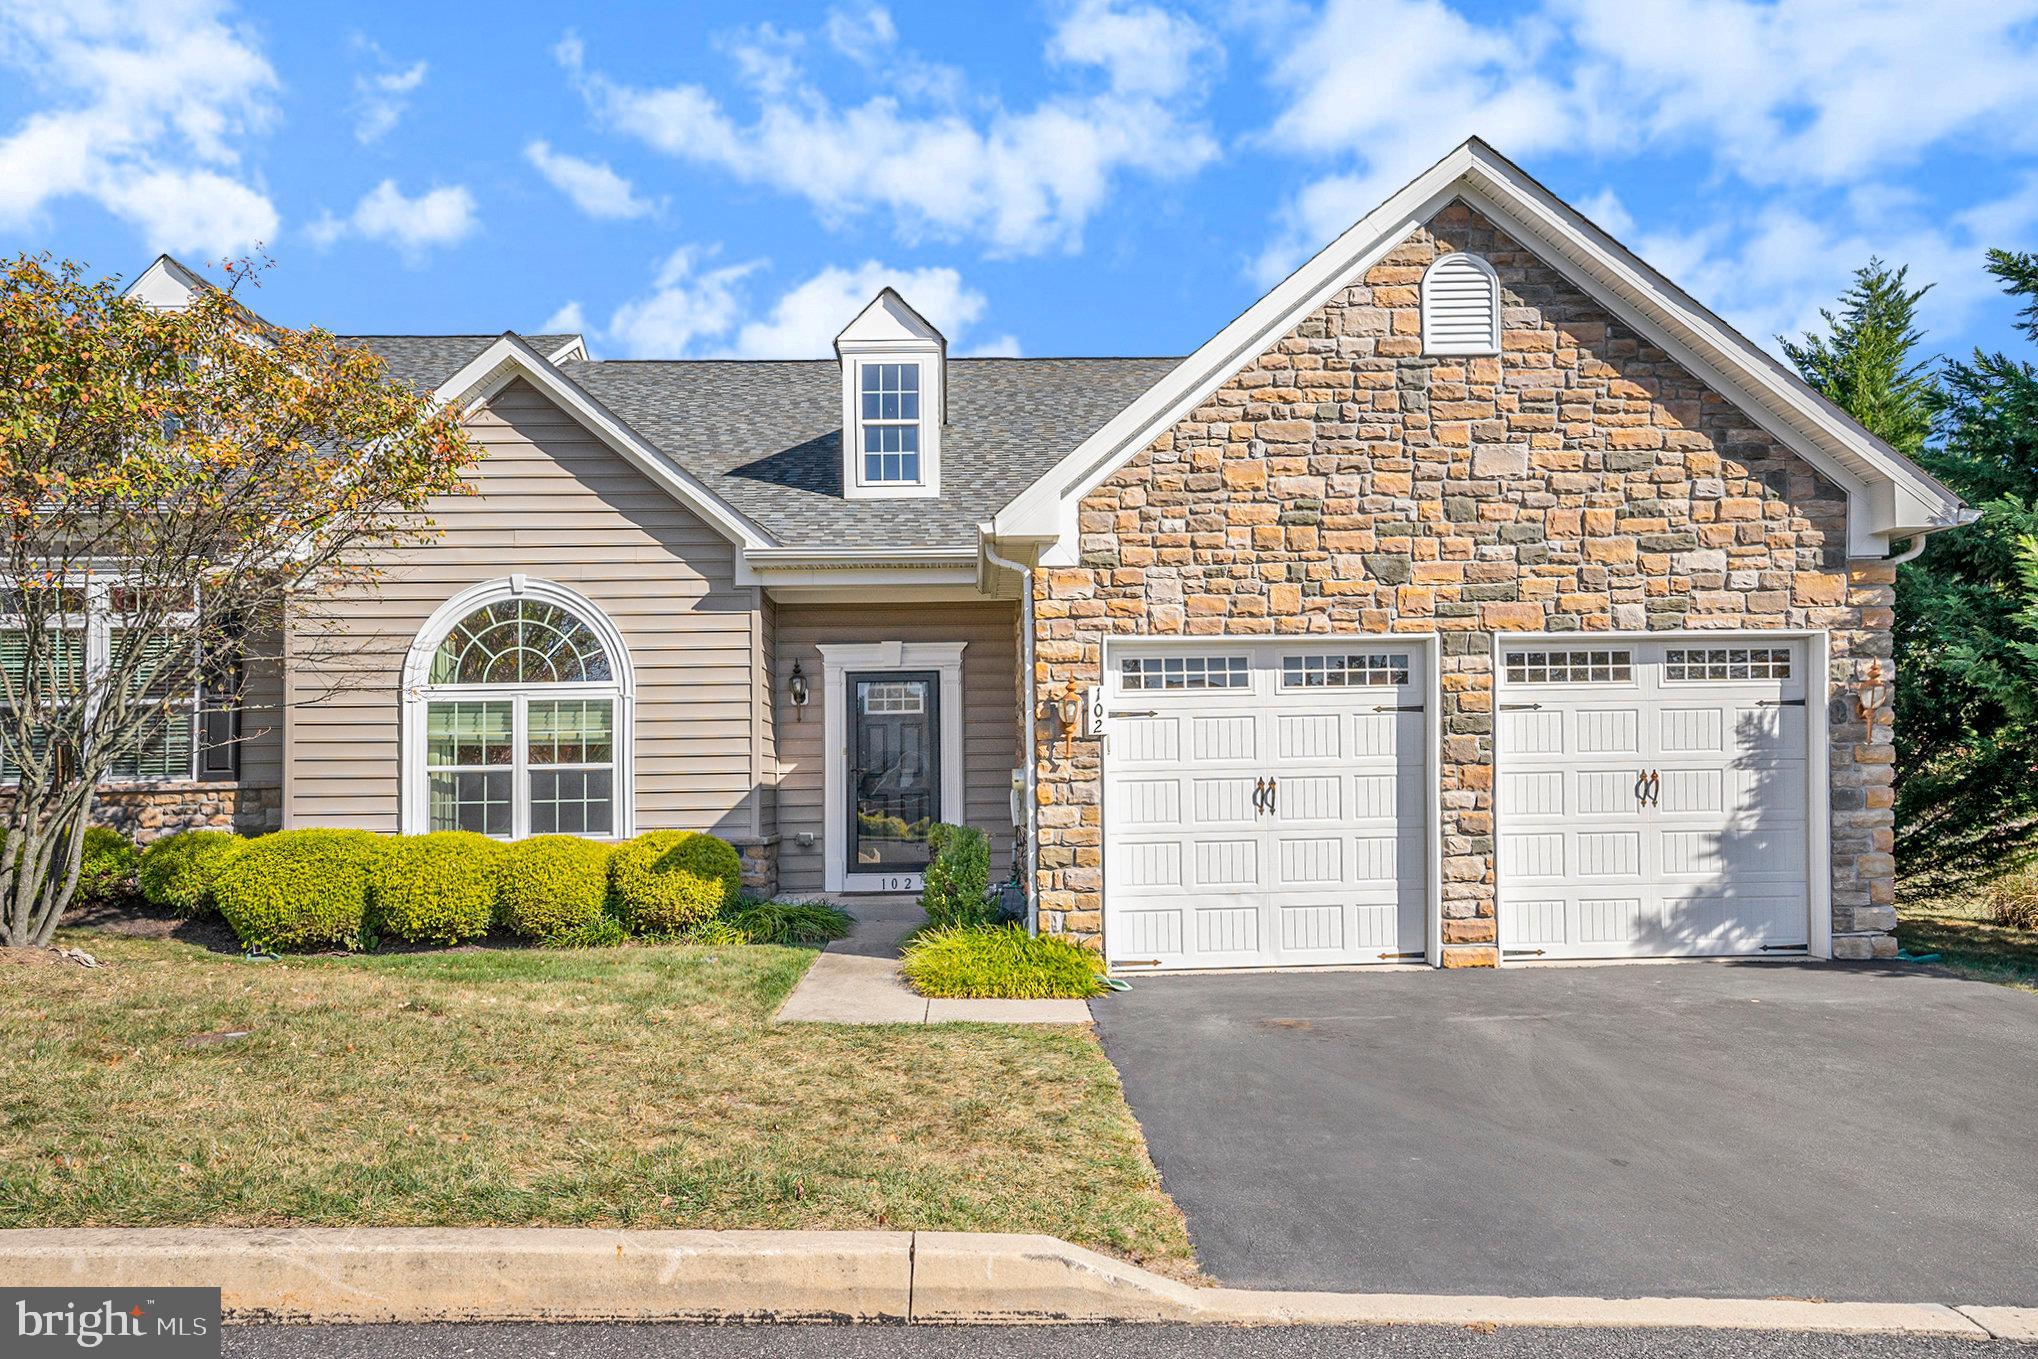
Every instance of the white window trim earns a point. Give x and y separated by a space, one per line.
1487 346
854 487
838 659
415 811
98 623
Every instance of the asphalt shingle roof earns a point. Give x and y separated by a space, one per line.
425 361
766 435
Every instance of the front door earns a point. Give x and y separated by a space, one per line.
894 762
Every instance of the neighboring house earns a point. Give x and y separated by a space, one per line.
1474 594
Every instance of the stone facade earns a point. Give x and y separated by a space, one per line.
760 865
143 811
1579 481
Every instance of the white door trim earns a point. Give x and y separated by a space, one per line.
1429 644
1818 752
838 659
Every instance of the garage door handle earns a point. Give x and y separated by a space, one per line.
1260 795
1273 788
1655 789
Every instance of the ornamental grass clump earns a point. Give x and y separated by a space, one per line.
2012 900
672 882
1001 962
176 872
300 889
439 888
553 888
789 922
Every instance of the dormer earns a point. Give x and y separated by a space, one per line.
894 400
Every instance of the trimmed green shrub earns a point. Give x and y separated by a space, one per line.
956 888
790 922
672 881
106 866
1001 962
552 886
438 888
2012 899
300 888
176 872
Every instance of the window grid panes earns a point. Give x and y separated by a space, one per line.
1344 671
506 757
470 752
1727 663
1184 672
894 697
890 418
1570 667
520 641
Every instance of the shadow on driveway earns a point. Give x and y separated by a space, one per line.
1710 1129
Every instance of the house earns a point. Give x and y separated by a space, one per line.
1475 595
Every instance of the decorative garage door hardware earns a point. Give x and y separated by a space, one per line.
1662 813
1275 820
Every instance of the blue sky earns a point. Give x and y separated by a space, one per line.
1063 177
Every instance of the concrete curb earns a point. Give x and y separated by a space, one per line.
578 1274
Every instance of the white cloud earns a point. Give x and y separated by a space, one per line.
568 320
1021 181
594 188
699 312
142 108
1142 49
1769 273
441 216
381 96
1824 94
861 32
686 307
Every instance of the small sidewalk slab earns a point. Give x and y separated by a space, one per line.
856 980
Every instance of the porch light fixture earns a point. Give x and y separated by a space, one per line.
796 687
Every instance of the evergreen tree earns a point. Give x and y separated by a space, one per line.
1866 365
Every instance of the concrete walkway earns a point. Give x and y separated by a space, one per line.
856 981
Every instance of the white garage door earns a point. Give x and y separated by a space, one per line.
1264 806
1652 799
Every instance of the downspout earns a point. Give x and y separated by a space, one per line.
1032 751
1910 553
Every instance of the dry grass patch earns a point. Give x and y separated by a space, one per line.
641 1087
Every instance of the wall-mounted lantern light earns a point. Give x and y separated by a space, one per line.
1869 698
796 689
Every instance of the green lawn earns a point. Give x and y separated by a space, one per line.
1948 857
1957 929
639 1087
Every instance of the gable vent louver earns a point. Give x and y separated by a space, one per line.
1460 307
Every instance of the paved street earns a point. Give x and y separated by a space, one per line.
587 1341
1690 1129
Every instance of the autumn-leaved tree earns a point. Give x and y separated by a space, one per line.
172 482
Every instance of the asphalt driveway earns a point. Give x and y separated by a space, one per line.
1706 1129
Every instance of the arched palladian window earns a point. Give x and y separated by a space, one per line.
1460 306
517 703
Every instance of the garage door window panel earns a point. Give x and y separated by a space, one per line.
1148 674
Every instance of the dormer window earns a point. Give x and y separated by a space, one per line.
893 402
890 423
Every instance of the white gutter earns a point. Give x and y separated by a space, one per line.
1032 748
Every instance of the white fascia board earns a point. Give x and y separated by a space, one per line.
512 357
1889 497
859 570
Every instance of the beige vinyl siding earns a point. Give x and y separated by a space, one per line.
553 502
990 726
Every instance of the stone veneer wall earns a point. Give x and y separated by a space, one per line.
1581 480
144 811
